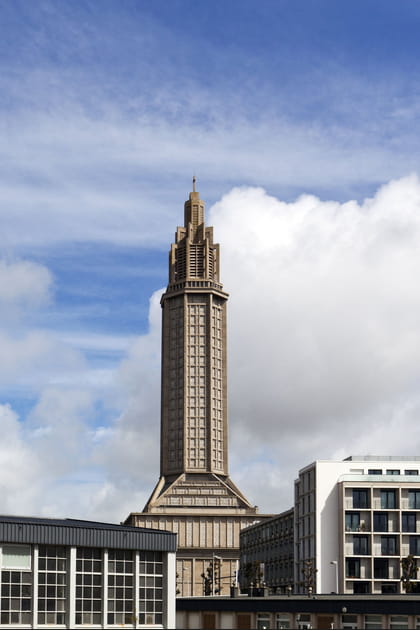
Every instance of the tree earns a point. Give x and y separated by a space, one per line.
409 570
309 571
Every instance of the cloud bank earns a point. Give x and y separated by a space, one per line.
324 356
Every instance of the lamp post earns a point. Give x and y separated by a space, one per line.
335 565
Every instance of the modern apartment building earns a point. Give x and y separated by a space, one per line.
355 521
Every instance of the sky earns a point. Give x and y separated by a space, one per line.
301 122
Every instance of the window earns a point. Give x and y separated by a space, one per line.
151 588
380 569
282 621
398 622
414 499
16 597
388 545
16 557
374 471
389 587
352 567
380 522
361 498
361 587
348 621
393 471
120 587
360 545
88 586
388 499
415 545
352 521
263 621
411 472
373 622
52 581
408 522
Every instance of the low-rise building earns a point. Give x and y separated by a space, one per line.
380 612
266 554
70 574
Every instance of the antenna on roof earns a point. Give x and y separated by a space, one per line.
194 180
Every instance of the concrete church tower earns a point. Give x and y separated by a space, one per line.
195 496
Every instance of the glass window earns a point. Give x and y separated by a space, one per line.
352 567
361 587
375 471
414 499
373 622
120 587
388 545
361 498
393 471
263 621
52 581
388 499
352 521
415 545
349 621
389 587
151 588
408 522
360 545
411 472
16 597
282 621
380 522
398 622
380 569
88 586
16 557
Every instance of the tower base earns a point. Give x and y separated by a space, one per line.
207 512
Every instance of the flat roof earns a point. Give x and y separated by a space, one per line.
80 533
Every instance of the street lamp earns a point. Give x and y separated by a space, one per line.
335 565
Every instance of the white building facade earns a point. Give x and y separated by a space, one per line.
355 520
77 574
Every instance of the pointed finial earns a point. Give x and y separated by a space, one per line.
194 180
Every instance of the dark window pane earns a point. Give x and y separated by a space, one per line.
380 568
352 567
388 545
408 522
360 498
414 499
360 545
380 522
388 499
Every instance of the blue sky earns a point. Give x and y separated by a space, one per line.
305 113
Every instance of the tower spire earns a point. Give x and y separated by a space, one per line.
194 180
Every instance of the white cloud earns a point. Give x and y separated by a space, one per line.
324 325
79 178
25 283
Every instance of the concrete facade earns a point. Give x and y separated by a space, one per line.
195 496
267 555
